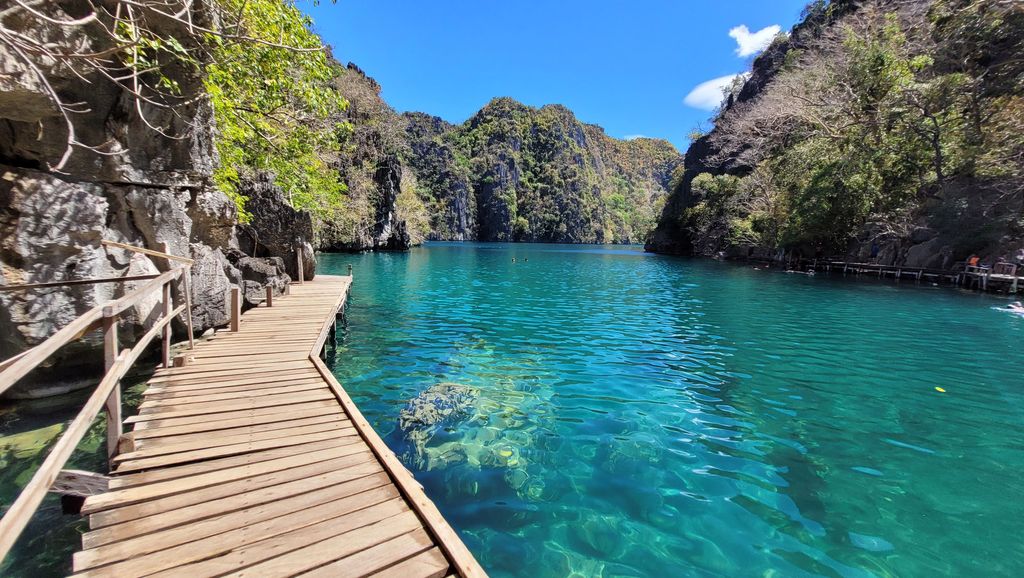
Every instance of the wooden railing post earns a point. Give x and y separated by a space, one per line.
113 403
350 269
236 308
166 332
302 267
187 276
270 296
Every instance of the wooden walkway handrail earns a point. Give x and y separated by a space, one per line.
107 395
149 252
88 321
20 512
73 282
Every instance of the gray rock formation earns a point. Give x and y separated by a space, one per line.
154 192
273 231
436 405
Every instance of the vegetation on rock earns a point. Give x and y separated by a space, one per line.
873 120
539 175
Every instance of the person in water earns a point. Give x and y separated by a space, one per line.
1016 307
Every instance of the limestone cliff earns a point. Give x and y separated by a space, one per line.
518 173
876 130
144 189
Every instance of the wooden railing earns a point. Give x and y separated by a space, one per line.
108 394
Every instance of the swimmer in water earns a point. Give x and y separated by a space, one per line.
1016 307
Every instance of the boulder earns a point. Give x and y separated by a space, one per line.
275 229
437 404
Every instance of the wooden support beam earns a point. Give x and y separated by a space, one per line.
20 512
78 282
302 267
236 308
113 403
187 277
165 349
80 483
270 296
149 252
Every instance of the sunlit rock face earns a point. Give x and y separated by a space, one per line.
135 187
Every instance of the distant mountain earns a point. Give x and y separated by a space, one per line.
518 173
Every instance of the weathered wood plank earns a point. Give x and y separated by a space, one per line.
239 502
252 460
193 471
317 555
321 505
428 564
144 463
378 556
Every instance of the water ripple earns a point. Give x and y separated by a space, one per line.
635 415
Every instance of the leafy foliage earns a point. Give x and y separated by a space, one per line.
273 102
874 122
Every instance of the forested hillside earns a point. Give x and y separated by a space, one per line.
879 128
518 173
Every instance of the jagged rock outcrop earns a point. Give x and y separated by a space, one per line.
453 214
380 200
518 173
148 191
274 229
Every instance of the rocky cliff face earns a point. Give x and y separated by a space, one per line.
380 192
517 173
147 190
965 60
445 176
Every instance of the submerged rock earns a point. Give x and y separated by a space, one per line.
437 404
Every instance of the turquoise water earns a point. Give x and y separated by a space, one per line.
638 415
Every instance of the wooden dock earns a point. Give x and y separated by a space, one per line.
252 460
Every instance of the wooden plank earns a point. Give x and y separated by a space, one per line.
40 353
20 512
189 373
253 423
223 451
228 444
316 555
428 564
249 554
154 421
194 409
321 505
186 433
228 395
162 506
73 282
239 499
376 557
180 391
219 407
231 381
149 252
192 471
449 541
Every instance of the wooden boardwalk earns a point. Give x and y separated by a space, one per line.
253 461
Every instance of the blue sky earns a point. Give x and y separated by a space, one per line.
630 67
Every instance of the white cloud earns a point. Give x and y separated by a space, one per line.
708 95
749 43
634 136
